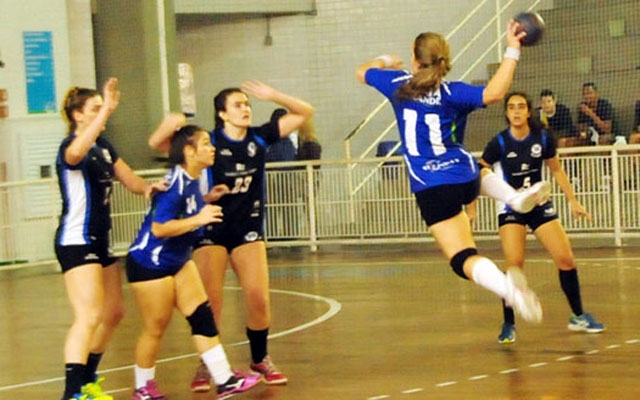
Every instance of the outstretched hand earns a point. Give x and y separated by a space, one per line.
258 89
159 186
111 94
210 213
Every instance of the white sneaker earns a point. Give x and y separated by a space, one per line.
521 298
525 200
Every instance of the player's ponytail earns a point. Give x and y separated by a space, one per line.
431 51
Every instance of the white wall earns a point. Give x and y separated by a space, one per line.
30 140
315 57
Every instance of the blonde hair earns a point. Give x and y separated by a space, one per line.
307 132
431 51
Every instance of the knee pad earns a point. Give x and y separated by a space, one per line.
457 262
202 322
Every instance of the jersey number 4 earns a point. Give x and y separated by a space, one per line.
435 133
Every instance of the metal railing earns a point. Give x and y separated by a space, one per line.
494 20
310 204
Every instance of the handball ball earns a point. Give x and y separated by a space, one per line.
533 24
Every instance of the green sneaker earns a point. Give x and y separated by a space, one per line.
93 391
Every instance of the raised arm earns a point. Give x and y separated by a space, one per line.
299 110
385 61
500 83
160 139
86 138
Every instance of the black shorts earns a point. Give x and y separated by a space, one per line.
139 273
97 252
442 202
533 219
232 233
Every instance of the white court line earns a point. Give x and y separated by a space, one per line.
334 308
411 391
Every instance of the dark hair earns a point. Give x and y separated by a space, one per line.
547 92
182 138
431 50
589 84
220 104
533 123
277 114
74 100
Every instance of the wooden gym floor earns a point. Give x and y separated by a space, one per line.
364 323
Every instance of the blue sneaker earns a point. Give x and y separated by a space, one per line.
585 323
508 334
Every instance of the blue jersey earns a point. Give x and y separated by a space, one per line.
182 200
85 189
432 128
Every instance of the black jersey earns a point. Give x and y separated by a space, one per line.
85 189
240 164
519 162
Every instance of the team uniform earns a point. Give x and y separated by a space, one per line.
443 175
519 163
151 257
82 236
240 164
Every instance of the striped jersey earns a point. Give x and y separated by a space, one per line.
85 189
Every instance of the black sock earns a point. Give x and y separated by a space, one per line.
507 312
258 344
571 288
75 375
92 366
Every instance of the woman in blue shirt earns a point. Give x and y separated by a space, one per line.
161 272
431 114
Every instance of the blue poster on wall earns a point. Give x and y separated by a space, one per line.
38 62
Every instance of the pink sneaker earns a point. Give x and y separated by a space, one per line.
148 392
202 381
237 384
269 372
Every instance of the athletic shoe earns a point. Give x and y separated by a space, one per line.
148 392
585 323
521 298
202 381
508 334
93 391
238 383
269 372
78 396
526 199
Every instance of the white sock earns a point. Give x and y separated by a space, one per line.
218 364
143 375
491 185
486 274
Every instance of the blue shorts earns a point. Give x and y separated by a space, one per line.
442 202
137 272
540 215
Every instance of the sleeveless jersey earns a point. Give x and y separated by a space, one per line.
519 162
182 200
240 164
85 189
432 128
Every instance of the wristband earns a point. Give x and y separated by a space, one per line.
512 53
386 59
